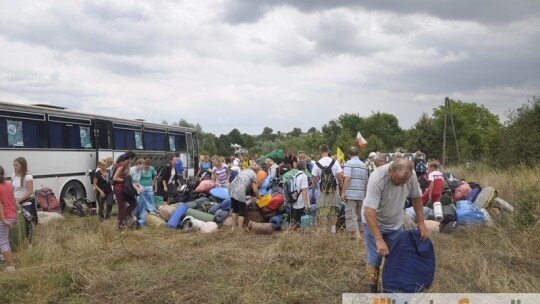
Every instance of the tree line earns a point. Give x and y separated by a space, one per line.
473 134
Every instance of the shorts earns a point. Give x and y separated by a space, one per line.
238 207
328 210
389 236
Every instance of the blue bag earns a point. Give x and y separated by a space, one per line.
468 212
275 221
177 216
410 265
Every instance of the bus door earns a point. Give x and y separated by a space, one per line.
103 138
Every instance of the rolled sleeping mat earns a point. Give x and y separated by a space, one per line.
226 205
205 217
229 221
195 222
46 218
499 202
154 220
275 221
166 211
192 204
187 224
221 216
177 216
209 227
214 208
220 192
260 228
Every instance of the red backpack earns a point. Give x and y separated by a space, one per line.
47 201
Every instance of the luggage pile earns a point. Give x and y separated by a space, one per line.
203 207
462 205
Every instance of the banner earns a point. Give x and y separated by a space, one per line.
340 156
361 141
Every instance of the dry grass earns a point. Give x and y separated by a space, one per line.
82 261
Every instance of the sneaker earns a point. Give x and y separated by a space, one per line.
10 269
2 260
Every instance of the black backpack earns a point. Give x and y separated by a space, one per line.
328 183
421 168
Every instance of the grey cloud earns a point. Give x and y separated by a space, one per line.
485 11
66 30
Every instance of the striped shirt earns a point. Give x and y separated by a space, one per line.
357 171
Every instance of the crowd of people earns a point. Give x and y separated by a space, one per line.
372 191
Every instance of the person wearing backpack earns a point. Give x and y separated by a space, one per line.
327 174
355 176
382 218
301 206
420 166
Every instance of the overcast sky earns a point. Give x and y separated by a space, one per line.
250 64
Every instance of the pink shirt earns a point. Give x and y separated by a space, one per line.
8 200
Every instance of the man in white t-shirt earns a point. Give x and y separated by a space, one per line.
328 199
301 206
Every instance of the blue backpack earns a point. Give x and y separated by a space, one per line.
410 265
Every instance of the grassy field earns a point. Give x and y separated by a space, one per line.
83 261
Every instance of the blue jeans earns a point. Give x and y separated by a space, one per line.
146 204
389 236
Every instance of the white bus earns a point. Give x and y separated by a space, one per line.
62 146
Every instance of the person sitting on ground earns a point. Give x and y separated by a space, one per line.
245 180
146 203
136 172
8 219
436 184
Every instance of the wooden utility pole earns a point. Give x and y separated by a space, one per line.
447 110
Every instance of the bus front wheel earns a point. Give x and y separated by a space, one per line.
72 190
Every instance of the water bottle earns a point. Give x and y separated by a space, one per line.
437 212
306 221
27 215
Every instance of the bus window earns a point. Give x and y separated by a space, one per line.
154 139
127 137
69 132
69 136
21 132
